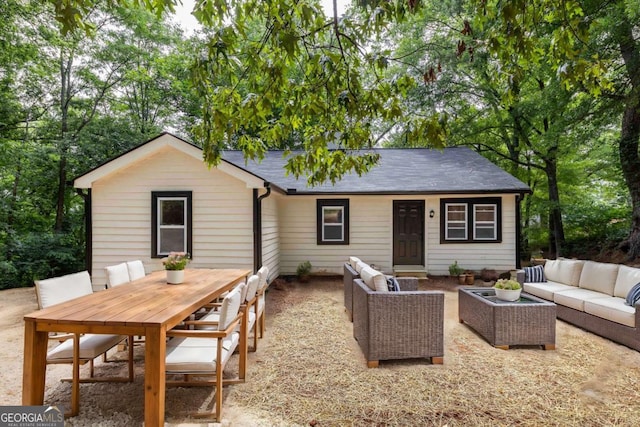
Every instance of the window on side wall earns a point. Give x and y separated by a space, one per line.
333 221
471 220
171 222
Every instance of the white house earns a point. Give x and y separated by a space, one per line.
421 208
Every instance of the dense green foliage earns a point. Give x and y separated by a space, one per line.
547 89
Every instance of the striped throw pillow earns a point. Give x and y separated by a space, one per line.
633 296
534 274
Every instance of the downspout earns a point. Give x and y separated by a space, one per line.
519 198
257 225
88 228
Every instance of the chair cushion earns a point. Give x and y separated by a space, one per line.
63 288
252 287
198 354
534 274
360 265
229 309
599 277
91 346
633 296
214 316
117 274
263 272
136 270
353 261
374 279
626 279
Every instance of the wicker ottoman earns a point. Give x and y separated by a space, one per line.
529 321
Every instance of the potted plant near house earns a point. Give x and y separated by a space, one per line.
303 270
174 264
507 289
456 271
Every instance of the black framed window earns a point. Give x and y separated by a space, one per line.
471 220
333 221
171 222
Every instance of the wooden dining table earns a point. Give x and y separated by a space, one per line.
146 307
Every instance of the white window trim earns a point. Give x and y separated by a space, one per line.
160 227
482 224
464 222
341 224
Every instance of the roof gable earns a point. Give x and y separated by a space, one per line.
153 146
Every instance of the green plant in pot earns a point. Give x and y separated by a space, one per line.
507 289
303 271
455 270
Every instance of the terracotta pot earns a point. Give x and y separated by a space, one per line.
470 279
462 279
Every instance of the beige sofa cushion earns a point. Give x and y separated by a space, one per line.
566 271
545 289
599 277
611 308
353 262
626 279
575 298
375 280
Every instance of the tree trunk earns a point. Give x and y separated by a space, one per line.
556 228
65 98
630 133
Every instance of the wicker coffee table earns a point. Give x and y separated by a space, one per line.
528 321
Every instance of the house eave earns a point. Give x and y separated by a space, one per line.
295 192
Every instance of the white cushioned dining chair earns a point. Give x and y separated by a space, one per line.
117 274
76 349
263 272
197 353
136 269
249 300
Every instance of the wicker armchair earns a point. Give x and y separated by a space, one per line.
398 325
347 278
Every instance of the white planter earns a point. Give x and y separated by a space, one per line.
508 294
175 277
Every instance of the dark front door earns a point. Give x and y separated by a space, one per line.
408 232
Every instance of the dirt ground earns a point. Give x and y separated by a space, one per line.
309 370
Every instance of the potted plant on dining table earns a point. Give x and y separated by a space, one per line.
174 264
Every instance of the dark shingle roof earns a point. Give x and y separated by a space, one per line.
399 171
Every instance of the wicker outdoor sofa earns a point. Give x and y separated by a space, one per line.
590 295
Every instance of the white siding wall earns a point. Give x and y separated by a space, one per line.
121 207
271 235
371 237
